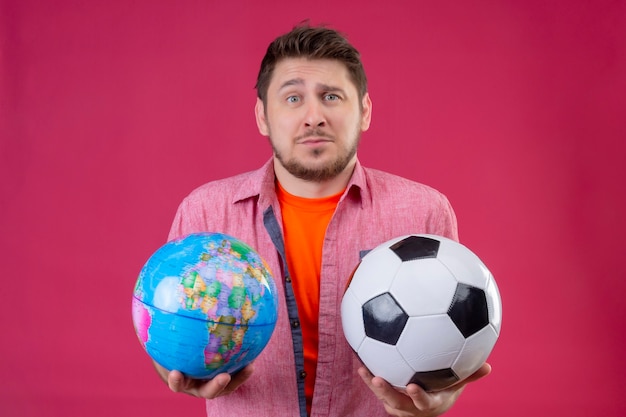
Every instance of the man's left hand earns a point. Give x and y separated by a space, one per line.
414 401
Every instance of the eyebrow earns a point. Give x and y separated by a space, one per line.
293 81
300 81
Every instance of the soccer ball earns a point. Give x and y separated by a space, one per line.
422 309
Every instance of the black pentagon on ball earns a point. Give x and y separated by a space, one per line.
469 310
434 380
384 319
415 247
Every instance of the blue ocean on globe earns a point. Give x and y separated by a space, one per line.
204 304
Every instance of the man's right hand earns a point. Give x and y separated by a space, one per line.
221 384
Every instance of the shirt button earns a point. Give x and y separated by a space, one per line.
288 279
302 374
295 324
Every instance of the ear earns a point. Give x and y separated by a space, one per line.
261 121
366 113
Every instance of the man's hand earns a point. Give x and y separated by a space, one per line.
415 402
222 384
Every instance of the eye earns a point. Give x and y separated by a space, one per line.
293 99
331 97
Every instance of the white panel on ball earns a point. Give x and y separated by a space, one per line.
475 352
385 361
352 319
430 342
423 286
494 304
463 263
372 276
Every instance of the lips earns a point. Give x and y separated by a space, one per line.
314 137
313 141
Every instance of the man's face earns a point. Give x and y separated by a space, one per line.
313 117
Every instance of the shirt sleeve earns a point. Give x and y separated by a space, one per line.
447 223
178 228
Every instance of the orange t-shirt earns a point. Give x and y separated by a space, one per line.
304 223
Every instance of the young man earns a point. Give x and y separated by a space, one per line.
311 211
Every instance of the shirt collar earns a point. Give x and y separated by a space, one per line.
260 183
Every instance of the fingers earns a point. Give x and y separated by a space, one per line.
240 377
366 376
221 384
394 401
422 399
377 385
443 400
176 381
414 400
198 388
225 383
214 388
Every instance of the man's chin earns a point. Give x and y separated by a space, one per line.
315 172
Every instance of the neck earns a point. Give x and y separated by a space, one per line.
313 189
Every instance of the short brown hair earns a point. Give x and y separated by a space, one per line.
309 42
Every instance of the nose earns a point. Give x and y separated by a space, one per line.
314 116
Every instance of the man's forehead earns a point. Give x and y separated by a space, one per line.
301 71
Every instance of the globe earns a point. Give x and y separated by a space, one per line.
204 304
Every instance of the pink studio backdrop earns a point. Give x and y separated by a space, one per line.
112 111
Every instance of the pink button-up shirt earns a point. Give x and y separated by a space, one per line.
375 207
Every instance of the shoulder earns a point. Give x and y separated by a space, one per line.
409 204
234 188
216 205
397 187
223 189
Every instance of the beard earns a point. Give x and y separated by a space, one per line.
322 172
